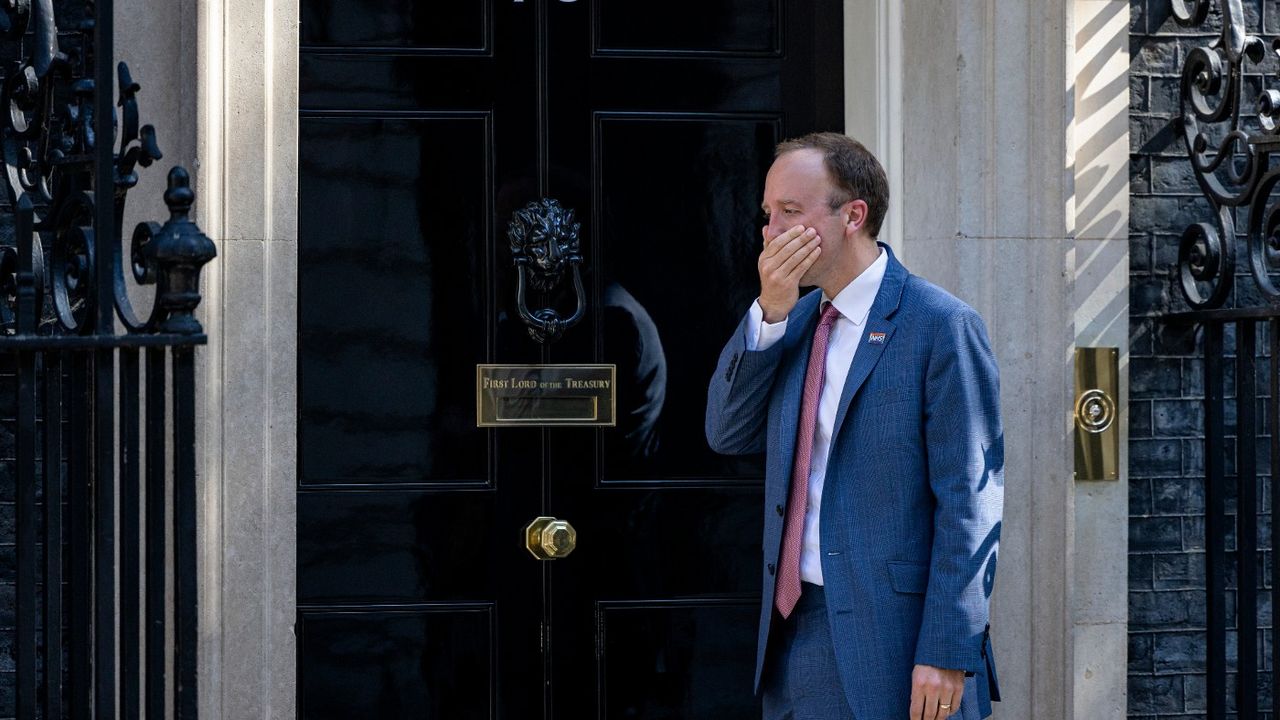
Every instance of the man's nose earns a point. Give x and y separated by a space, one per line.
775 228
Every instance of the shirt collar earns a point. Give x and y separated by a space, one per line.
855 300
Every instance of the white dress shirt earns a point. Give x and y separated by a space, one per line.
854 303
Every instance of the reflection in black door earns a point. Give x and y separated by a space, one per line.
423 127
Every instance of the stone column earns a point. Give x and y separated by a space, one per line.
986 194
1015 186
248 137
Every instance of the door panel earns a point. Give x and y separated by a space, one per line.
391 302
385 24
395 547
420 137
670 661
718 27
381 83
677 201
430 662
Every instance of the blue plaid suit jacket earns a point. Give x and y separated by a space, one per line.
914 491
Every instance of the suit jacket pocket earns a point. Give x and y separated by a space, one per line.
908 577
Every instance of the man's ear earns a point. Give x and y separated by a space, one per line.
855 215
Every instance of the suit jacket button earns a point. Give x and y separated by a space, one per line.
779 509
770 568
728 371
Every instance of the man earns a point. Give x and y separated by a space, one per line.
876 399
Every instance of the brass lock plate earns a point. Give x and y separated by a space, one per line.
1097 414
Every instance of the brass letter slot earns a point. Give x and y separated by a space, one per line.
1097 413
549 409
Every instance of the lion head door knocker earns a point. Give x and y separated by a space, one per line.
544 246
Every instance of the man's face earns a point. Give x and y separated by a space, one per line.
798 191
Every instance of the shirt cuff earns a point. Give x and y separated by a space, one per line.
760 334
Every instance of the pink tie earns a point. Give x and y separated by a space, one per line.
787 591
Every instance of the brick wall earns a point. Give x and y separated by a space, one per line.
1166 532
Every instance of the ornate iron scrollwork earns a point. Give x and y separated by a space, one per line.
1231 157
48 157
544 246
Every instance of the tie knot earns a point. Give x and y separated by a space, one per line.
829 314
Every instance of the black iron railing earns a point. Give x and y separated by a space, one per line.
104 426
1231 135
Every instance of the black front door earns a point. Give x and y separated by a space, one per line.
424 126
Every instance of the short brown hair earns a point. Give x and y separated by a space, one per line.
853 169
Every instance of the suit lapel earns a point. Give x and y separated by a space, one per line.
868 354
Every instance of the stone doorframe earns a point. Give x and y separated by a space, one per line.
1003 125
247 139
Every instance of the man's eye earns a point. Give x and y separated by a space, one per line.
791 211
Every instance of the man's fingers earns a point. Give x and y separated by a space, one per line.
954 702
929 685
776 245
804 265
771 245
804 252
777 257
952 707
917 703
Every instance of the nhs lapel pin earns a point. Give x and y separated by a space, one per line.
875 338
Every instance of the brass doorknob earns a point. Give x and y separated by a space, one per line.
548 538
